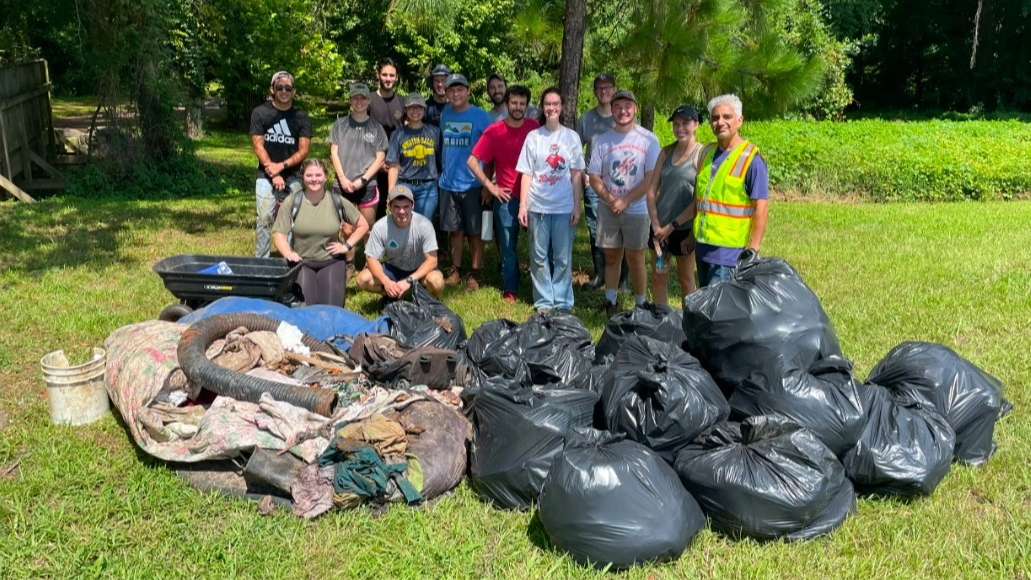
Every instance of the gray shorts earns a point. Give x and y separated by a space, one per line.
461 211
624 231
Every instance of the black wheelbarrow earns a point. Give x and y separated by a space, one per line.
194 282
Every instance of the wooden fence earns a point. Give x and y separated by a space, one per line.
26 130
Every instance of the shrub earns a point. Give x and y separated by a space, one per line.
939 160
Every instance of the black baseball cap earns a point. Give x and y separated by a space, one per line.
441 70
687 112
624 94
604 78
457 79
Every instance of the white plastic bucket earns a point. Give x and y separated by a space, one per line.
77 393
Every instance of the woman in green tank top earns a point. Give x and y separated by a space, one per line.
671 206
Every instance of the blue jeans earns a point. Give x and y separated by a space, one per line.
552 280
426 198
265 199
712 273
591 213
506 232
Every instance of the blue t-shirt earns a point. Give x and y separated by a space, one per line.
459 133
757 184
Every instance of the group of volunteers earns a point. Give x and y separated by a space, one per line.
414 175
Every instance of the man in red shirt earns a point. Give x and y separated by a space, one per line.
499 146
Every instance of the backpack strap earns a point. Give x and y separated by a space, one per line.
338 203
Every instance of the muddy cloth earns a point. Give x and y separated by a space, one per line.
518 433
424 321
361 475
905 450
659 396
312 492
753 324
611 501
766 478
437 436
652 320
969 398
387 437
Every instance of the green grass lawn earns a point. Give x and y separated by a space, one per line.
84 501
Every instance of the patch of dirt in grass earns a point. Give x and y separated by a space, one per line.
12 469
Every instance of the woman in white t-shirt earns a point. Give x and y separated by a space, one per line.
552 164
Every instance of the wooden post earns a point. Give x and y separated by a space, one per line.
15 190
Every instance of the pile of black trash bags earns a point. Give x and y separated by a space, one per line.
742 411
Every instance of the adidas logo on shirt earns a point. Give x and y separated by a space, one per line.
280 133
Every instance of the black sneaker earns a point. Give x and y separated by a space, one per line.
611 309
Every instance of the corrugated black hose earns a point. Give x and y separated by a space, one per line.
205 373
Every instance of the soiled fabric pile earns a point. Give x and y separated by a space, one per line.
380 445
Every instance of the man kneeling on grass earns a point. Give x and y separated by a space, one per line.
402 249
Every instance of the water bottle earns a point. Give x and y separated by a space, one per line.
223 269
660 260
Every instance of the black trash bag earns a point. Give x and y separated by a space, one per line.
651 320
494 348
905 450
824 399
766 478
612 501
556 349
969 398
764 315
659 396
518 433
425 321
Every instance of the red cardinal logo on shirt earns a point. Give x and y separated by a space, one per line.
556 162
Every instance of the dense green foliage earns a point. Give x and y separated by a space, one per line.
893 160
918 54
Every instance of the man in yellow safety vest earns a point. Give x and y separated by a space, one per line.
732 194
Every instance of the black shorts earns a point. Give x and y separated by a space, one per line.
461 211
679 243
368 196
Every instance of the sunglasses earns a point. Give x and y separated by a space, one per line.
285 88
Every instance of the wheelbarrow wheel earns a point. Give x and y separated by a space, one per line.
173 312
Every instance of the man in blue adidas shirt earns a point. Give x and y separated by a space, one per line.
281 137
461 205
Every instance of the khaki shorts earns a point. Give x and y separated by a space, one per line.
625 231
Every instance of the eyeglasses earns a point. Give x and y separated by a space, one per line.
284 88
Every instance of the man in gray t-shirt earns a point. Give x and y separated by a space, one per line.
595 122
401 250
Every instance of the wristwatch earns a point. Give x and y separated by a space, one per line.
410 280
347 246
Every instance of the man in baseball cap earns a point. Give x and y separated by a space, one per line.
401 250
438 94
622 162
280 138
461 206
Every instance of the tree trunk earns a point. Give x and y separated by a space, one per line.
572 59
195 119
648 117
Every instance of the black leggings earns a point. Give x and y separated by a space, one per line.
323 281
